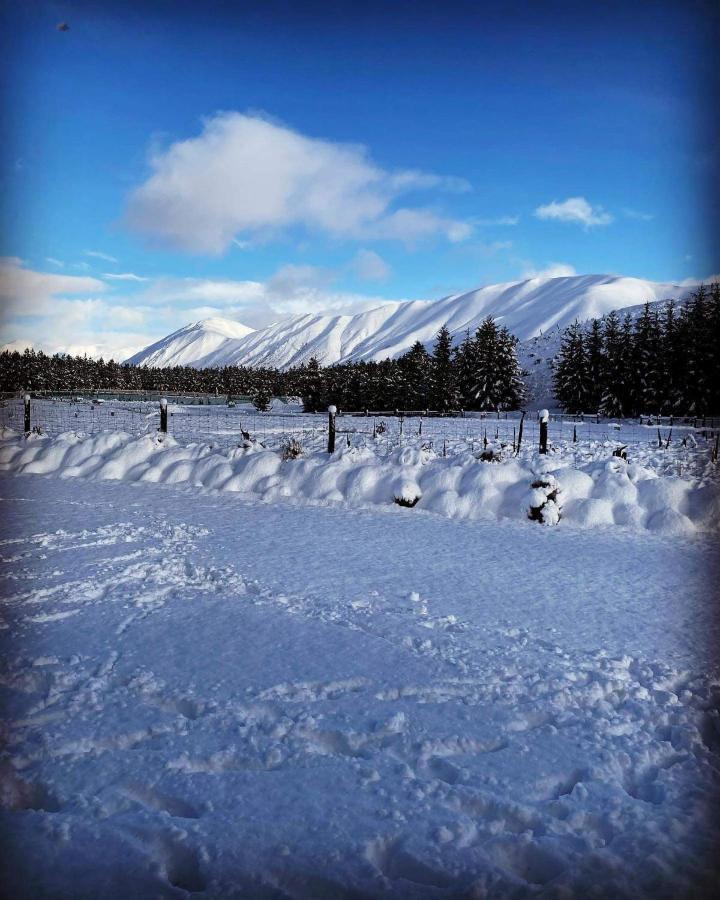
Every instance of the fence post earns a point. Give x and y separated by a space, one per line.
163 415
544 416
332 410
27 414
520 433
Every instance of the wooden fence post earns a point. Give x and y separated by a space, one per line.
520 433
332 411
27 414
544 417
163 415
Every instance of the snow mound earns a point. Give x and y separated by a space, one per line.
598 493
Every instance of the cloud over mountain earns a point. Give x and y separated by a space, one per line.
245 175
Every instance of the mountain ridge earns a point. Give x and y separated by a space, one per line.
529 308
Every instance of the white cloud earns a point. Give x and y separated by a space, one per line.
55 262
26 292
370 266
574 209
123 276
553 270
98 255
42 310
292 290
245 176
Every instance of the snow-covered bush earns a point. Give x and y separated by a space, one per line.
292 449
544 503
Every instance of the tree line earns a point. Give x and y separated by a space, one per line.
666 360
481 372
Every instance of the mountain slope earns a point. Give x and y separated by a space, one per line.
190 345
528 308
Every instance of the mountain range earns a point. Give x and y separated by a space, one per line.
530 309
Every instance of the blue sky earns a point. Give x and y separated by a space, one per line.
168 160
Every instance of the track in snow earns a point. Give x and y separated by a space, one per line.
225 697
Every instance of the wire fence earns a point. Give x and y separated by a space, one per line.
233 426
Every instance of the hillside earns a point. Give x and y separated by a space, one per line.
191 344
529 309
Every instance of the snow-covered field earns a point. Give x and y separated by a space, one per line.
230 675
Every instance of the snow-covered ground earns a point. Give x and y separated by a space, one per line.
238 694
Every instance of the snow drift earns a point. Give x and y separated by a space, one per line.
605 492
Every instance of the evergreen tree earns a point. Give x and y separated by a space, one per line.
571 379
444 390
497 375
415 371
465 365
613 368
594 352
512 386
647 361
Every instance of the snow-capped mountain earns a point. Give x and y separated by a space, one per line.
528 308
193 344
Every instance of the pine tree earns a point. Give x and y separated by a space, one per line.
444 390
415 371
571 376
497 377
630 389
647 361
465 364
512 386
595 363
613 367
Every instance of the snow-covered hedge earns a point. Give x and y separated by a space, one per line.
609 492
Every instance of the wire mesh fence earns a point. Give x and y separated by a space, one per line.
231 426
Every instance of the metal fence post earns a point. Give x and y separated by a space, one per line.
163 416
544 417
332 410
27 414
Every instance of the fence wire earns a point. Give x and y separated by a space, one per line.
232 426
